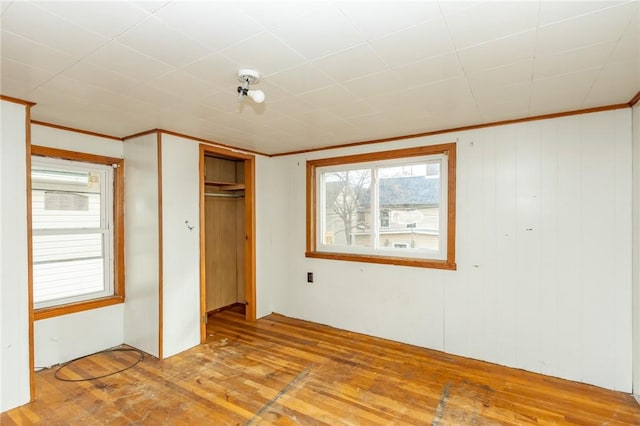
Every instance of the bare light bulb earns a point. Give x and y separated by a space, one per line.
256 95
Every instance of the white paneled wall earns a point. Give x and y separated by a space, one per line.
14 312
543 252
67 337
180 244
63 338
142 249
636 249
271 191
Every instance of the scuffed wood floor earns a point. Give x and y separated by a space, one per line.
290 372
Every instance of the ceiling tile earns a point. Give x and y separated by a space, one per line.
627 47
155 39
378 19
94 74
4 5
604 26
421 41
499 52
274 14
573 60
30 77
150 6
108 19
456 88
152 95
362 60
509 110
326 97
183 85
43 27
28 52
616 83
223 100
561 93
407 76
264 53
17 88
215 68
374 84
489 96
490 21
351 109
290 105
79 89
300 79
518 72
325 31
431 70
324 120
128 62
210 24
448 7
554 11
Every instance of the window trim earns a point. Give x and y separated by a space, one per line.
448 149
118 231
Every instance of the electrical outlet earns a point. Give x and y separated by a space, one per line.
309 277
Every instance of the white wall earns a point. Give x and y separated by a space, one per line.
269 192
68 337
142 253
180 245
14 308
555 299
63 338
636 249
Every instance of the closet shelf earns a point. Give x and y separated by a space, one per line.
225 186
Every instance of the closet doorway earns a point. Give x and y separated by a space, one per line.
227 233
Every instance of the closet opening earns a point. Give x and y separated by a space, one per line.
227 245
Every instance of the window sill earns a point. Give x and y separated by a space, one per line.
389 260
71 308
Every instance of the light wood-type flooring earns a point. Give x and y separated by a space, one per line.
290 372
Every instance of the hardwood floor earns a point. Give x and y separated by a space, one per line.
285 371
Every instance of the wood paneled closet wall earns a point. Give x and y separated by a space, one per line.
224 232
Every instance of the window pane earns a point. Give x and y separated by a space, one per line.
347 208
71 237
50 248
65 199
409 206
59 280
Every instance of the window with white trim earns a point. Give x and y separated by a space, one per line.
73 239
389 207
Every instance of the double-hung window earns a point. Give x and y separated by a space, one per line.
76 232
394 207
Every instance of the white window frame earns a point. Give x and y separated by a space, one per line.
375 247
105 229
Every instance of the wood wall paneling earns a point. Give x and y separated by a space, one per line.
224 234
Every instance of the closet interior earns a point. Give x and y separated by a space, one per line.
224 233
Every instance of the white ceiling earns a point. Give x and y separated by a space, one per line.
333 72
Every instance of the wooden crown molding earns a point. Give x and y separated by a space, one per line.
71 129
197 139
16 100
634 100
463 128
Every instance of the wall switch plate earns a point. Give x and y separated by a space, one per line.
309 277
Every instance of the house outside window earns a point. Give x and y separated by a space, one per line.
391 207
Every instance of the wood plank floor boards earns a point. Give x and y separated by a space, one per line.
289 372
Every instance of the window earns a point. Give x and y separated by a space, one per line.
395 207
76 229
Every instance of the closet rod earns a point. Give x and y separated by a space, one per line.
224 195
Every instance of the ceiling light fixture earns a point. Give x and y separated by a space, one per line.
247 77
